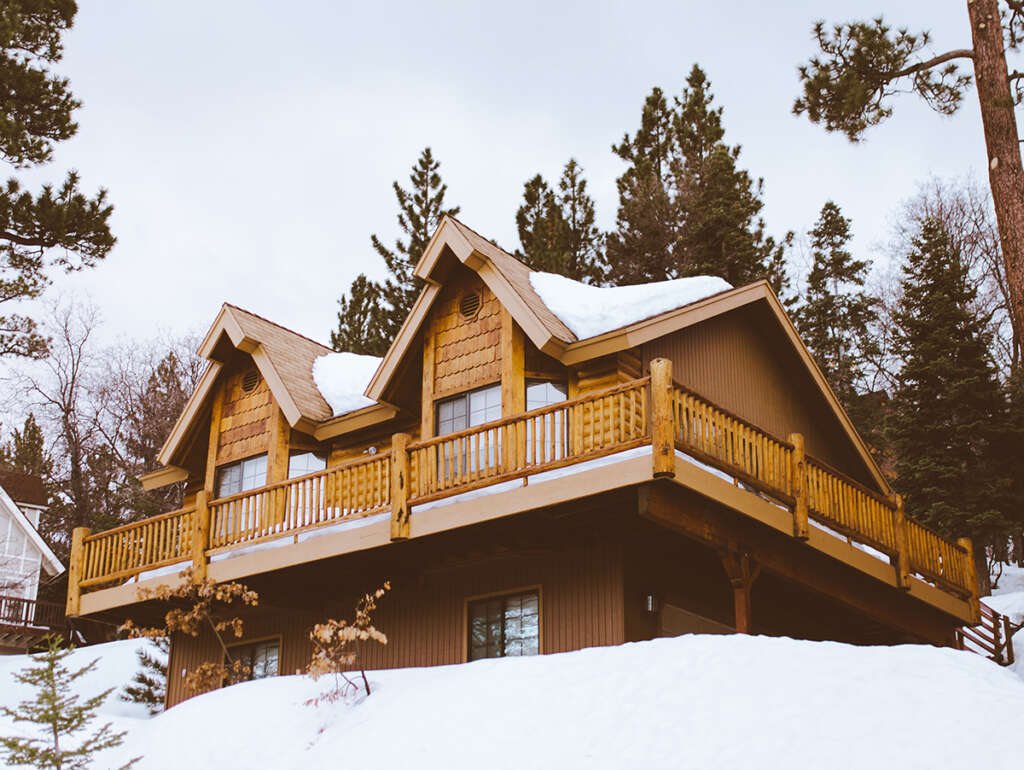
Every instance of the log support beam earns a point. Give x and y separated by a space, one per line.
400 486
901 560
663 424
742 570
75 570
798 487
201 537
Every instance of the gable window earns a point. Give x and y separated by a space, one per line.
260 658
546 435
242 476
504 626
301 463
467 410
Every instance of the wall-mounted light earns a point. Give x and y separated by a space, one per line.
651 603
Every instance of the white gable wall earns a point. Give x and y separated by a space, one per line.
20 559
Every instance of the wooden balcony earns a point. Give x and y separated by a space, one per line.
653 411
25 621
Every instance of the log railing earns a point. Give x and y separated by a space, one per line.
652 410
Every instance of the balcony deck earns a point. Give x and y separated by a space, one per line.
650 428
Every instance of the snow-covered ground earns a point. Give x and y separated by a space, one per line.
1008 599
688 702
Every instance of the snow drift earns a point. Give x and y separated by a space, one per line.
692 701
341 379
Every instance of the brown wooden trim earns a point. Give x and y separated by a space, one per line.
163 477
513 366
538 587
349 422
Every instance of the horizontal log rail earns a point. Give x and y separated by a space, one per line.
652 410
540 440
29 613
992 636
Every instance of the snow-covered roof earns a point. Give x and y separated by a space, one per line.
342 378
593 310
51 564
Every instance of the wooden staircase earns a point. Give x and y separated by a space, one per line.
993 637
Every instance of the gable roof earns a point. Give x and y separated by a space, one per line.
284 358
50 563
24 488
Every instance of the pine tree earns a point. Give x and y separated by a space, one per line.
60 716
372 311
836 313
26 451
557 230
948 412
685 208
57 228
149 685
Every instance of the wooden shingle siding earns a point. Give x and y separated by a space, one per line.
424 616
743 361
467 351
245 420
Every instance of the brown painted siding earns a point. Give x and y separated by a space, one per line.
740 362
424 615
245 417
467 351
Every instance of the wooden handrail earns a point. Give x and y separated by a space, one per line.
140 523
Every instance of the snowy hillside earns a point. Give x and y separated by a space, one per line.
1008 599
693 701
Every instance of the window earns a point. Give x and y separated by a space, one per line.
242 476
468 410
503 626
259 657
301 463
546 435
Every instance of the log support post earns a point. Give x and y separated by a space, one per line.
663 424
201 537
901 560
972 579
75 571
400 486
742 571
1008 631
798 486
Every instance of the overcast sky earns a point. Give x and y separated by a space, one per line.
249 148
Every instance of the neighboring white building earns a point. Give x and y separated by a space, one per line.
24 558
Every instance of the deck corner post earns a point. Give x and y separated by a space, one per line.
972 578
74 603
200 537
899 529
400 486
798 487
663 425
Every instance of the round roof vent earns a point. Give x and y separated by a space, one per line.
469 305
250 380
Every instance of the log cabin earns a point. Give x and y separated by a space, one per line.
536 466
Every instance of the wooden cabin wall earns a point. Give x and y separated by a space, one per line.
351 447
245 418
741 362
605 372
424 615
466 351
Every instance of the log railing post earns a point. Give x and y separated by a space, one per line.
798 487
400 486
75 565
1008 632
663 423
200 537
899 531
972 579
742 571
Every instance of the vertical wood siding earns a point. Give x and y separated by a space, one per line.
741 363
424 615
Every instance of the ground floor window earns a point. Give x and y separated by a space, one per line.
506 625
261 658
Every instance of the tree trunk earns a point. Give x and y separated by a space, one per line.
1005 176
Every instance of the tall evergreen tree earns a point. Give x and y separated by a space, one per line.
57 228
26 451
685 208
557 230
948 412
372 313
836 313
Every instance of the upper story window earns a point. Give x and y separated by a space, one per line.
261 658
543 393
468 410
502 626
242 476
301 463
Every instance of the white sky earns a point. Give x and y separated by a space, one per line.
249 148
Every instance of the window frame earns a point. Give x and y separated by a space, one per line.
464 395
279 638
297 452
240 463
467 625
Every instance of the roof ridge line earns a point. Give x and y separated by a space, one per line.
280 326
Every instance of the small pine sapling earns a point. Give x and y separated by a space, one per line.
59 714
204 603
149 685
336 647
